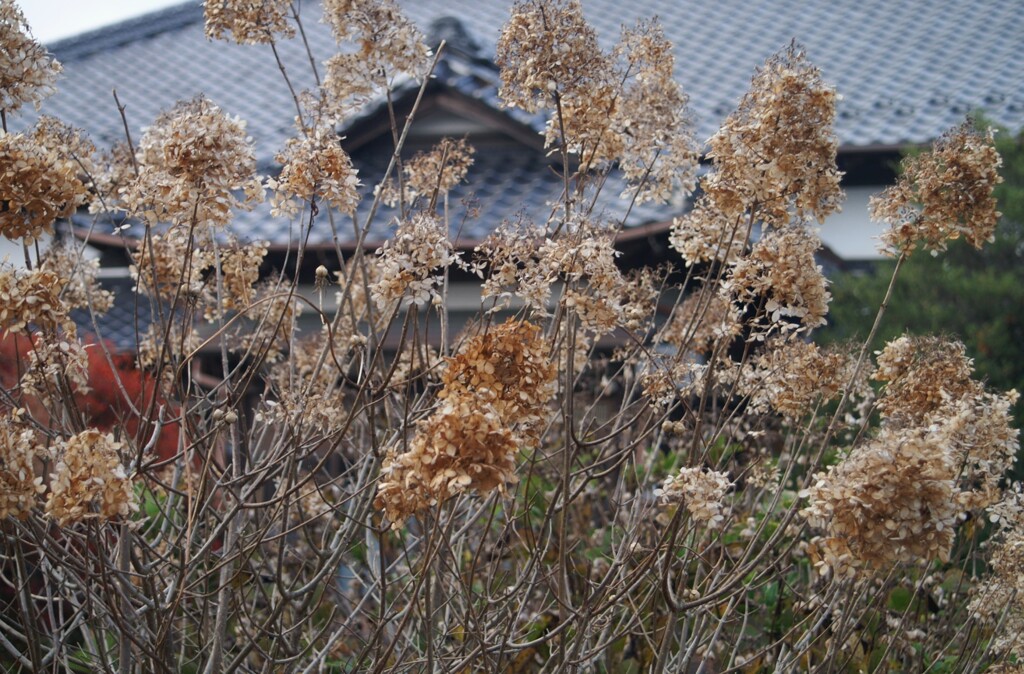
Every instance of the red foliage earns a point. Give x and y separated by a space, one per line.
120 395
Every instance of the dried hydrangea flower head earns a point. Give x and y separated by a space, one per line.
702 320
980 433
921 374
659 155
943 194
27 71
63 359
41 180
349 83
19 485
782 271
546 48
891 500
928 385
410 261
439 170
550 59
193 162
700 491
585 257
314 167
510 256
90 482
33 298
170 267
777 151
997 600
494 396
462 446
706 234
509 365
248 21
387 40
793 376
83 290
240 270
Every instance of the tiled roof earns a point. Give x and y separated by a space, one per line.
906 71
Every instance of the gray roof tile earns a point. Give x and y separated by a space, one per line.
906 71
935 60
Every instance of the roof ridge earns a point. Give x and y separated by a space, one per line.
129 30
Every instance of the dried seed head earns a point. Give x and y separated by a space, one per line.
90 482
27 71
248 21
314 167
943 194
19 485
778 150
193 162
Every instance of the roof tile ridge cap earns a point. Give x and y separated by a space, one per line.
127 31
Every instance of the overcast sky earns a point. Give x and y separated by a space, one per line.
53 20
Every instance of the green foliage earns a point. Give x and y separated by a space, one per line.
973 295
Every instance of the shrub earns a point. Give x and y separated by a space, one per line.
576 480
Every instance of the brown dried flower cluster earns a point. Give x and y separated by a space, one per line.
585 258
82 289
410 260
509 366
700 491
546 49
170 266
192 163
792 377
386 38
943 194
659 155
40 184
33 298
702 320
493 403
19 485
89 481
984 444
248 21
928 385
944 448
462 446
625 106
27 72
314 167
922 374
240 270
891 500
782 271
777 152
997 601
440 169
52 360
511 257
349 84
706 234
